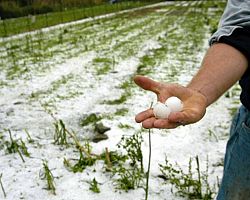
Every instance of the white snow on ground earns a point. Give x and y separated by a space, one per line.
72 88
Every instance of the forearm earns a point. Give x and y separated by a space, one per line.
221 68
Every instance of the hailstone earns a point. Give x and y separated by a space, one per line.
161 111
174 103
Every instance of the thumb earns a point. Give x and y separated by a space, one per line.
147 84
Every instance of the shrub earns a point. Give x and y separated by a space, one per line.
10 9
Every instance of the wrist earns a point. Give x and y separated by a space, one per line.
202 95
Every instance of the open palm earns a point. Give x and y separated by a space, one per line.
194 104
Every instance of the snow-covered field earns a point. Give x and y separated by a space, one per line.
84 68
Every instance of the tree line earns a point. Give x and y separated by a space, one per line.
18 8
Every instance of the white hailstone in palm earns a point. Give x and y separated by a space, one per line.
161 111
174 103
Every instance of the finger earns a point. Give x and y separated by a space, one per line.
184 117
147 84
149 123
144 115
164 123
178 117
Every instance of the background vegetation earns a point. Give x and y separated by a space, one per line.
19 8
27 15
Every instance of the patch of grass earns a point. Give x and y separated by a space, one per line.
86 159
17 146
190 185
148 60
90 119
132 145
2 142
3 83
48 104
233 110
30 140
147 63
212 135
124 126
128 178
81 163
126 168
115 158
126 87
94 186
121 112
132 176
60 136
142 70
48 176
23 24
102 60
16 71
103 65
120 100
104 69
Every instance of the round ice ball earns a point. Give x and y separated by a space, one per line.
174 103
161 111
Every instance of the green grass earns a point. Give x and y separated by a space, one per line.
102 65
90 119
192 184
119 100
121 111
81 163
16 146
48 176
94 186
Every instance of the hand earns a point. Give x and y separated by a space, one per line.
194 104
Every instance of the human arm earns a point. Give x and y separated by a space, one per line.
222 66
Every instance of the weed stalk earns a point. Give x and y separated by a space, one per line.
107 156
49 177
94 186
14 146
149 160
60 136
4 193
149 163
72 135
199 175
30 140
